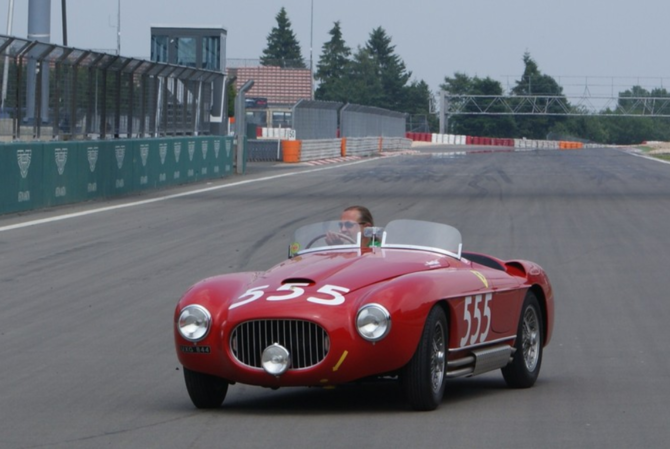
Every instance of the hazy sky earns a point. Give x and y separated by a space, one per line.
575 41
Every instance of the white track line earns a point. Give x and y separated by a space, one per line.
169 197
644 156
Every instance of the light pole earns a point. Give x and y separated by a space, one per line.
118 29
311 59
10 17
64 18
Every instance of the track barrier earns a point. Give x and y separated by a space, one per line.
35 175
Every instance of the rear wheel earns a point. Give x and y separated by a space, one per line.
423 378
206 391
522 372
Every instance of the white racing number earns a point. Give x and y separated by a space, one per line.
253 293
481 332
295 289
330 295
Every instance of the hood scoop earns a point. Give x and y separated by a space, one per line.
309 282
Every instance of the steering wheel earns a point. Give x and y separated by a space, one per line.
318 237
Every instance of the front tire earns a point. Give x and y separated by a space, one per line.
522 372
205 390
423 378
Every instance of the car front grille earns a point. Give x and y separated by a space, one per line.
306 342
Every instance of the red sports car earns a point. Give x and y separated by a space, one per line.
401 301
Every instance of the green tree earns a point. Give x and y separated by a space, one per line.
532 83
332 67
361 84
419 103
283 49
478 125
583 127
231 95
390 69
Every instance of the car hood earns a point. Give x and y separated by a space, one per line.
352 269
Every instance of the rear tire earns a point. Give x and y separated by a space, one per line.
205 390
522 372
423 378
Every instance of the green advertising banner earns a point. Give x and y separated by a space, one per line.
227 155
118 163
206 159
21 177
90 172
190 164
36 175
142 165
216 166
176 160
59 174
167 168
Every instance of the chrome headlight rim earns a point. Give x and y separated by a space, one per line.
275 360
193 310
380 312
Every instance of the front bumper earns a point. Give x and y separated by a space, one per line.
347 356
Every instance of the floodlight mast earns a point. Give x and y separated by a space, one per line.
10 17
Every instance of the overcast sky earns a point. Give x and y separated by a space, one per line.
611 44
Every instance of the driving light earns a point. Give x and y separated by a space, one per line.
373 322
275 359
194 322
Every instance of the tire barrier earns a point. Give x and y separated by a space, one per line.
395 143
291 150
311 150
452 139
564 145
362 146
35 175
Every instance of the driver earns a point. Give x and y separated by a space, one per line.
352 221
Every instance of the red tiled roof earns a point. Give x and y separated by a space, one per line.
279 86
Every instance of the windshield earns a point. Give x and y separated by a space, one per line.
399 234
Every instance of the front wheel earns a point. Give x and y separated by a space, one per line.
205 390
423 378
522 372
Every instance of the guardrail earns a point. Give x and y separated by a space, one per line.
35 175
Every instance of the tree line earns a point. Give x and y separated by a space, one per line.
374 75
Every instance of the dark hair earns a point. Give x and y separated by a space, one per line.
366 216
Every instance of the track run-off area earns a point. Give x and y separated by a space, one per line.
88 293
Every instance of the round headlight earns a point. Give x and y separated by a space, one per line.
194 322
275 359
373 322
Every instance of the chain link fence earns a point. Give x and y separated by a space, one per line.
55 92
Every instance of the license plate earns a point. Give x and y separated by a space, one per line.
195 349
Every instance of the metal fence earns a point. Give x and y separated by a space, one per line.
55 92
366 121
328 120
316 119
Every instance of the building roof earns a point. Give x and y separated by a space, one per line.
279 86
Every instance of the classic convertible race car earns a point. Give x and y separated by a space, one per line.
401 301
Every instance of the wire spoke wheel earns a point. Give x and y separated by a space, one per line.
531 339
437 359
524 368
423 378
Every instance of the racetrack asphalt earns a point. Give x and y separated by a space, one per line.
88 294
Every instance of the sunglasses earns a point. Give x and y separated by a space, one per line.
348 224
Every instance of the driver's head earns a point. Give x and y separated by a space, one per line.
355 219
